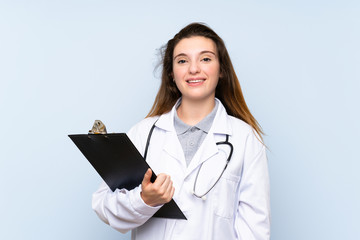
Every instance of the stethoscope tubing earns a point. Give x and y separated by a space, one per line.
226 142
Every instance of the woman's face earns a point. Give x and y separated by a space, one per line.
196 68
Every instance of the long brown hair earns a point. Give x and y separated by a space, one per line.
228 90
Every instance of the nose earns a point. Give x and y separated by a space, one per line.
194 67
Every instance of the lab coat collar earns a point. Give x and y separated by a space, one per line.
221 124
208 148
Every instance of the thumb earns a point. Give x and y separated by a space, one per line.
147 177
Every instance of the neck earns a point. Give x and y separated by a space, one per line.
192 112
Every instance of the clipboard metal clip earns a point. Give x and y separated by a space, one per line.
98 128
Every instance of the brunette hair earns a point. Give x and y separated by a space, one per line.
228 89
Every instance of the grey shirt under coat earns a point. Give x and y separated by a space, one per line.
191 137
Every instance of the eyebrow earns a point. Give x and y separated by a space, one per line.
202 52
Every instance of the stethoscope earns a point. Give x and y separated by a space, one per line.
202 196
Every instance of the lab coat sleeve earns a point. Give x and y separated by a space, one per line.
122 209
253 215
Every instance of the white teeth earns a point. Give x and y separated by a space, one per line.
195 81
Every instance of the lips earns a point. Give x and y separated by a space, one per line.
195 80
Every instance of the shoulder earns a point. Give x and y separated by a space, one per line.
238 124
247 133
139 132
142 127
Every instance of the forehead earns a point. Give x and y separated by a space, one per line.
195 45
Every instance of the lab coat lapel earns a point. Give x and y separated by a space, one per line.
172 145
173 148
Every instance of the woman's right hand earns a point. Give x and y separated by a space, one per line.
159 192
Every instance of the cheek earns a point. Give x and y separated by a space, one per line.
177 77
213 71
178 72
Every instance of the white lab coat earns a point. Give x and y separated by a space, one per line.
238 207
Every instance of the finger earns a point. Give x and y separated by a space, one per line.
166 185
169 194
169 188
161 178
172 192
147 176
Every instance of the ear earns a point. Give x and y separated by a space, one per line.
220 75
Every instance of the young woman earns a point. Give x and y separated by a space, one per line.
207 147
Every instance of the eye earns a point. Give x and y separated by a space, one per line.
181 61
206 59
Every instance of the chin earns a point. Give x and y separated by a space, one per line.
198 97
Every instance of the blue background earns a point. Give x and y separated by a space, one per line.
64 64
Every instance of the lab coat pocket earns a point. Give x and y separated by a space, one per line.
225 195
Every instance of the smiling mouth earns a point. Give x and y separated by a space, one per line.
195 81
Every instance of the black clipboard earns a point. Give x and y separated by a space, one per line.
120 164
